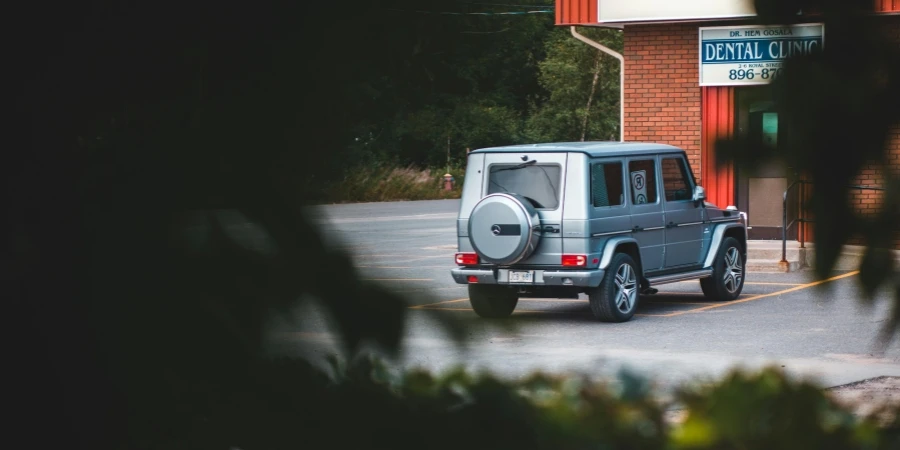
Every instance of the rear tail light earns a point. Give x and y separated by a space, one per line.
574 260
466 259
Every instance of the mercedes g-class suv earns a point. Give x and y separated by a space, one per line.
607 219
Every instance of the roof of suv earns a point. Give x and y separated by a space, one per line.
594 149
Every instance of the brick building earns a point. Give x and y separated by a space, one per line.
681 87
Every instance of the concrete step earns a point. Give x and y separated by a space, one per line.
851 257
765 256
772 265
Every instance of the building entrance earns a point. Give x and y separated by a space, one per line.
759 192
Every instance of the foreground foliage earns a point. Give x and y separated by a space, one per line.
289 404
841 106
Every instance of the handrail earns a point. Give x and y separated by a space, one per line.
800 213
784 224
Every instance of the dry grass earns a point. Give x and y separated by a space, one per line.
382 184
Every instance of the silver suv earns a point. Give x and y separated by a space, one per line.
607 219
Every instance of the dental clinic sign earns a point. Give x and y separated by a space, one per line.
744 55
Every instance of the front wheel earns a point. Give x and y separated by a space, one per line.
727 280
616 299
492 301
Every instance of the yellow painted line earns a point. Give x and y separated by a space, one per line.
553 300
442 255
406 267
402 291
578 313
674 303
674 314
757 297
398 279
440 303
527 311
418 258
761 283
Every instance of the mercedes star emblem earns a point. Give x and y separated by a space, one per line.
495 229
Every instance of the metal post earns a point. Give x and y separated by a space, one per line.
784 225
801 214
621 59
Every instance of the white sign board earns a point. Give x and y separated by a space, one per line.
744 55
637 11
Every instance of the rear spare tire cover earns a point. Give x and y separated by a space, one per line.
504 228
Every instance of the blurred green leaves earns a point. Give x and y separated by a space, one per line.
841 106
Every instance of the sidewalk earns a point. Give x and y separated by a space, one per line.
765 256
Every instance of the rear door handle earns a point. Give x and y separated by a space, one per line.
671 225
637 228
551 229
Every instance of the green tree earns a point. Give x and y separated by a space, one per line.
580 98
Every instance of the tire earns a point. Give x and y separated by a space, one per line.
727 280
616 299
504 229
493 302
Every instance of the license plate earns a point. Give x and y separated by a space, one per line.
516 276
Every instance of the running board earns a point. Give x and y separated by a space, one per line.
676 277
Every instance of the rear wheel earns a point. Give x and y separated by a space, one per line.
727 280
492 301
616 299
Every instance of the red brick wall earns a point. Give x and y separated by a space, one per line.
871 202
662 92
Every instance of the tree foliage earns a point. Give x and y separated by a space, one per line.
841 105
566 110
149 139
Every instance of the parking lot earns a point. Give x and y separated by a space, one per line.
815 329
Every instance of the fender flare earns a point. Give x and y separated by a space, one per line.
609 249
716 242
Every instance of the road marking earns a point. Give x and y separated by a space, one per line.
761 283
553 300
673 314
398 279
405 291
440 303
662 302
388 218
577 313
406 267
431 306
418 258
757 297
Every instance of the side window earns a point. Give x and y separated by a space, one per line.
607 187
676 180
642 179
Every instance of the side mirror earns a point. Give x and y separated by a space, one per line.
699 194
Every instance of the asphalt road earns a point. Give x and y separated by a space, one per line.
781 319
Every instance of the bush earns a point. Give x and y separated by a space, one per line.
292 405
383 182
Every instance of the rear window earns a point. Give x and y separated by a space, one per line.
539 183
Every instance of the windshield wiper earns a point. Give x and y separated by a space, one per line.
516 167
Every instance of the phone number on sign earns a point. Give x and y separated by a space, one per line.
749 74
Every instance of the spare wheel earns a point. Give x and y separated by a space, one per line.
504 228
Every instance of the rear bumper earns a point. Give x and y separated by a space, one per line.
582 278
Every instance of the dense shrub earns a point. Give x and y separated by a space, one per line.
385 182
293 405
